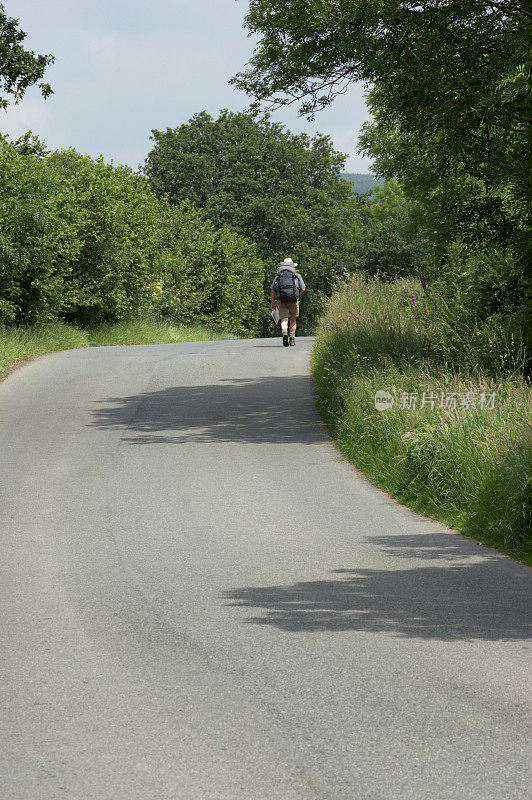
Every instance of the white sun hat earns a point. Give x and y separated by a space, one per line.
287 263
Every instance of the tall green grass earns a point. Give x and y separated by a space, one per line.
22 343
146 331
470 467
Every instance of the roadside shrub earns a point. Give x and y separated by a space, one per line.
388 240
209 275
90 243
39 221
119 253
488 303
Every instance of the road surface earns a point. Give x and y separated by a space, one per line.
202 601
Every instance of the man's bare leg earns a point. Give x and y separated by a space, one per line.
284 329
292 331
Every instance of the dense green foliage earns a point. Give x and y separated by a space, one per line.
88 242
19 68
246 171
448 77
463 462
387 238
451 102
280 190
211 274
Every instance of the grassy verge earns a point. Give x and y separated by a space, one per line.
19 344
148 332
463 454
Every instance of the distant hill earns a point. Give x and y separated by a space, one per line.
361 183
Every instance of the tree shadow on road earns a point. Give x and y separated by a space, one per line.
268 409
446 546
462 599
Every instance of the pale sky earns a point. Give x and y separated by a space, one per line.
124 67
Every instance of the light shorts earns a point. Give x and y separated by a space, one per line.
288 309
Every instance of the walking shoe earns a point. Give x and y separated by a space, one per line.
285 339
292 341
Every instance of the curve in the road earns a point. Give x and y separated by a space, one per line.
201 599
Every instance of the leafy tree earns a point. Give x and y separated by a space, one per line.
86 241
19 68
451 100
138 251
451 80
284 192
118 233
461 61
209 274
388 239
39 222
246 171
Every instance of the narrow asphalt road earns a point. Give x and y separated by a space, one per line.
202 601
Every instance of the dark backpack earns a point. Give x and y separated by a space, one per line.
288 287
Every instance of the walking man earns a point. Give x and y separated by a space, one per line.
284 292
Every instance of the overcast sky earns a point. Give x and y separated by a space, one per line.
124 67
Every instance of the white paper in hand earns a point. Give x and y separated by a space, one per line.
275 316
